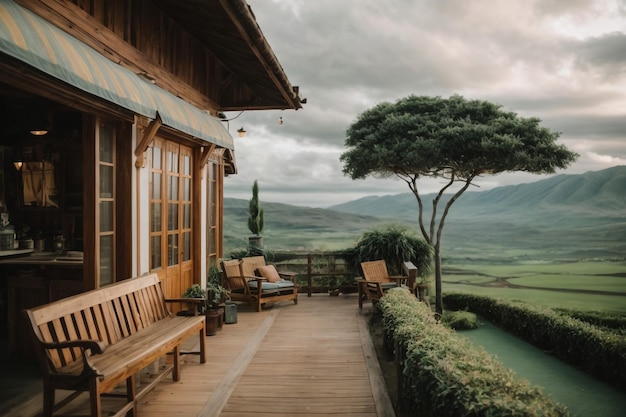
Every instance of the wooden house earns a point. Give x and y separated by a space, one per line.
112 149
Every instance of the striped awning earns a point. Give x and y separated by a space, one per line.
36 42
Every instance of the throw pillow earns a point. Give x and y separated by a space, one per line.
269 272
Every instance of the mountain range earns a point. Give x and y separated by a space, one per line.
566 217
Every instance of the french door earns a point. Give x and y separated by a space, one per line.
170 215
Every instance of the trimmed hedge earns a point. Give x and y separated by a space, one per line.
606 320
598 352
446 375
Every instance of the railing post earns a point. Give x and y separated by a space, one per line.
309 273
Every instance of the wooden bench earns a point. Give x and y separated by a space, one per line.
243 281
98 339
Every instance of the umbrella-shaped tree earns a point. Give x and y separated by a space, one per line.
453 139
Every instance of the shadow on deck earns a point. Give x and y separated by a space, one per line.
311 359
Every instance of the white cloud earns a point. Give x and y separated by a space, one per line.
563 61
607 160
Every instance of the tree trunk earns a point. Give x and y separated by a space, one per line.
438 297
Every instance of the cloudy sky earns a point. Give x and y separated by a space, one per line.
563 61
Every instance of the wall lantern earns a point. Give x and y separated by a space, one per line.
242 132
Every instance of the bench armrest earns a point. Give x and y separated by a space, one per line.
291 276
398 279
95 346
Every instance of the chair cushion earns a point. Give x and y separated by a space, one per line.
271 286
269 272
265 286
388 285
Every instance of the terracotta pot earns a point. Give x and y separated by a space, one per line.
214 320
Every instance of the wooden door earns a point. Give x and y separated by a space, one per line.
171 203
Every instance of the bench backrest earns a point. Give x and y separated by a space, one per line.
233 279
375 271
106 314
250 264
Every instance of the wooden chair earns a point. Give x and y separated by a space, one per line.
376 281
252 281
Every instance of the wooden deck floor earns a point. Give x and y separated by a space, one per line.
312 359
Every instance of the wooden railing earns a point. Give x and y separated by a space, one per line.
319 272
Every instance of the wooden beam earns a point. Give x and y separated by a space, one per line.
206 153
147 137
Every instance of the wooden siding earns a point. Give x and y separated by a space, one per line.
137 35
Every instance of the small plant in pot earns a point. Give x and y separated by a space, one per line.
216 293
196 291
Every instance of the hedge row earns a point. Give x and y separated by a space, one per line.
609 321
599 352
446 375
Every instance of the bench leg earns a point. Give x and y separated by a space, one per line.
176 356
48 400
94 397
131 393
202 346
361 294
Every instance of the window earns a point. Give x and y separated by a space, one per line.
105 195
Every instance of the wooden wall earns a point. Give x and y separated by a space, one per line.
163 42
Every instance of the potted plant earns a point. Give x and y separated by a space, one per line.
196 291
217 295
205 305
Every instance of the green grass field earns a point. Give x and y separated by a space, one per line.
555 281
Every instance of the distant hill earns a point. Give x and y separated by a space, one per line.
565 217
295 228
596 193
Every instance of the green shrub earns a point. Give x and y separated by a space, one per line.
460 320
446 375
602 319
598 352
395 244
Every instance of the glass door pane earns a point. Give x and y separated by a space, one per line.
105 257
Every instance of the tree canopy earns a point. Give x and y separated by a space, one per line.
451 138
437 137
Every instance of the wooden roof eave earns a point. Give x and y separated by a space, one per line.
242 16
236 41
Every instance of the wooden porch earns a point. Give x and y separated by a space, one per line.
311 359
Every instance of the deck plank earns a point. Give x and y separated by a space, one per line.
310 359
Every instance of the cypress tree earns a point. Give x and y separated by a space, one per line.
255 212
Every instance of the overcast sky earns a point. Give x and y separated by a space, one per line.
563 61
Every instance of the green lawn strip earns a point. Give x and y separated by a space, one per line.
519 268
468 278
581 394
612 303
577 282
